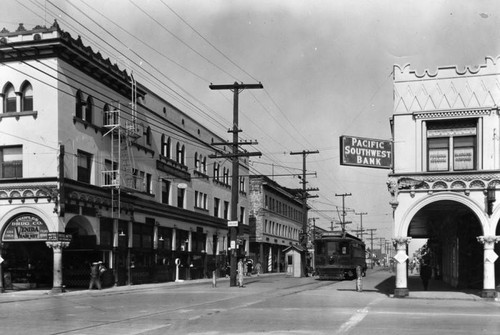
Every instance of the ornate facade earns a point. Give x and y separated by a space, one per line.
445 173
95 166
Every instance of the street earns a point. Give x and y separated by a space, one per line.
267 304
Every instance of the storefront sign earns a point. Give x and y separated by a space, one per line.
365 152
26 227
61 237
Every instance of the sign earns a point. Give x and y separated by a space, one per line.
365 152
26 227
61 237
232 223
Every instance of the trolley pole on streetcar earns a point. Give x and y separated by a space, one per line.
343 195
234 231
303 239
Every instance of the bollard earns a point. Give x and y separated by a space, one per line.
214 279
177 263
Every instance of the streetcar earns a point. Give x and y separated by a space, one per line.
337 254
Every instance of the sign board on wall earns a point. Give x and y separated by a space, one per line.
26 227
365 152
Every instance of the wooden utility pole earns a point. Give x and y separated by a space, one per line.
303 239
371 248
343 195
361 230
233 231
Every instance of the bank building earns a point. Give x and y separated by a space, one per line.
94 166
445 178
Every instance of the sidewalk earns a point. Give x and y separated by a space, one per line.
24 295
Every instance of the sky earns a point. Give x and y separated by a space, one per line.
326 67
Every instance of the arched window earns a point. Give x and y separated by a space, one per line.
9 99
27 98
79 104
89 109
196 162
105 115
216 171
169 148
183 155
178 152
204 165
163 148
148 135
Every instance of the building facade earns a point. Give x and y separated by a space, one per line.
445 175
276 218
95 166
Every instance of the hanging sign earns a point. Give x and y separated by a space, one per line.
26 227
365 152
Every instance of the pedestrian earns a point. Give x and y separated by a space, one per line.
241 269
258 269
359 275
425 274
96 269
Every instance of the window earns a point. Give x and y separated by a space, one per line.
10 99
200 200
110 172
27 98
451 146
204 165
181 192
147 135
226 176
216 171
242 215
165 191
216 207
79 104
89 107
84 166
196 162
242 184
149 183
11 162
164 146
180 153
226 210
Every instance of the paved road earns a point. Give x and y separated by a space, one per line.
272 304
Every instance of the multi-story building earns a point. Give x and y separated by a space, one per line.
276 219
95 166
445 129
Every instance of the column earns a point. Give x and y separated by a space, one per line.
57 247
489 259
401 243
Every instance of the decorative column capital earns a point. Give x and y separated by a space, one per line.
401 242
57 245
488 239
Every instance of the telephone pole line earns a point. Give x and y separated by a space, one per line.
361 230
343 195
303 240
371 248
233 231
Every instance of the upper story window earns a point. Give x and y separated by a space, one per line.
165 146
27 97
84 169
180 153
216 171
11 162
89 106
165 191
181 193
9 99
452 145
147 134
79 103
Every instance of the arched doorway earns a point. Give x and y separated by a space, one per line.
80 253
451 229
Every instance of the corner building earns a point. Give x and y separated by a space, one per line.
445 177
276 218
97 167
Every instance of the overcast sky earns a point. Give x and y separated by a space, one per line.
326 67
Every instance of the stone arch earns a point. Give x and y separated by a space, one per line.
449 196
52 224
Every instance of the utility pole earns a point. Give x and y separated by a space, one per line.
361 224
233 231
371 248
343 195
303 240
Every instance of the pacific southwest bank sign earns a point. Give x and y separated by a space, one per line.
365 152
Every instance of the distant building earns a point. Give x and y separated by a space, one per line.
276 218
96 166
445 128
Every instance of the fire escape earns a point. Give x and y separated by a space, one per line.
123 131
